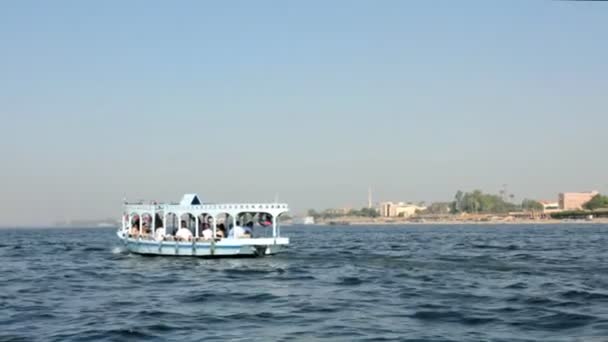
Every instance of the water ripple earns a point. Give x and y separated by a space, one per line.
411 283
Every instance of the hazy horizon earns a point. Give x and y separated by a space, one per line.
312 101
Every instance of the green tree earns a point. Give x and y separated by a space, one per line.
478 202
313 213
332 213
369 212
364 212
597 202
458 201
531 205
354 212
438 208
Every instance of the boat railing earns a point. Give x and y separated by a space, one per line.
227 206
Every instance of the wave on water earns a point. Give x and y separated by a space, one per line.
431 283
119 250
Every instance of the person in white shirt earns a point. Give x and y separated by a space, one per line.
159 235
184 234
207 233
236 232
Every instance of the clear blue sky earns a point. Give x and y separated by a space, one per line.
314 100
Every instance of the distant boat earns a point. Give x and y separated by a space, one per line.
305 220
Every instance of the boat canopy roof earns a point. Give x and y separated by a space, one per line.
191 204
190 199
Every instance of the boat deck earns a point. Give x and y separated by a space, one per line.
223 247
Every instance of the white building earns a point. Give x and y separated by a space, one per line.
550 206
309 220
399 209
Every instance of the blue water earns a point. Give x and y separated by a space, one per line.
410 283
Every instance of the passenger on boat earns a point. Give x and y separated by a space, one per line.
207 223
248 230
220 231
264 220
158 221
145 229
134 232
159 235
207 233
238 232
184 234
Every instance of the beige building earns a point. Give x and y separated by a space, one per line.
575 200
400 209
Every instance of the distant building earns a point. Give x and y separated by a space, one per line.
550 206
575 200
400 209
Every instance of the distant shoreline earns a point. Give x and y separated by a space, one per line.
460 222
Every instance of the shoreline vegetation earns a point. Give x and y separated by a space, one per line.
346 221
473 207
466 208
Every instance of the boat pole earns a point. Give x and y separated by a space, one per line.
196 226
212 249
274 228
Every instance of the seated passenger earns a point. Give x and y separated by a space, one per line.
220 231
146 229
248 230
207 233
159 235
236 232
239 232
134 232
264 220
183 234
158 221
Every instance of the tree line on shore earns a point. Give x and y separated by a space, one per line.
478 202
331 213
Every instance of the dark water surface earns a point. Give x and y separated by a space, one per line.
409 283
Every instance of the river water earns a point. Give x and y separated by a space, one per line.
405 283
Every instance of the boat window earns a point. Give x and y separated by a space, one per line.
172 225
188 220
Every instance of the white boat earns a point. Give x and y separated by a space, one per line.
162 228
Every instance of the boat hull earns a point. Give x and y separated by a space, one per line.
223 248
